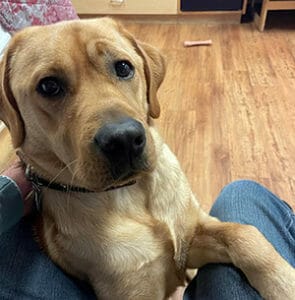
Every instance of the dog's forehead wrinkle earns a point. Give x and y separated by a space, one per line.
109 50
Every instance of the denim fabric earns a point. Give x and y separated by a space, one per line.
245 202
26 273
11 203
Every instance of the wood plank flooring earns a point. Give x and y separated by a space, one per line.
228 109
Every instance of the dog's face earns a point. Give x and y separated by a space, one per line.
77 98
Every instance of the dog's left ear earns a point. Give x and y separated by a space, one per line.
9 112
154 69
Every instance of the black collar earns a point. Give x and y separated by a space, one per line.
39 182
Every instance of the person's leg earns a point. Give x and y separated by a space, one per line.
27 273
245 202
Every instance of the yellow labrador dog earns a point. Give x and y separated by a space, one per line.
79 99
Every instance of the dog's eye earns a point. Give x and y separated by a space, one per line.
124 69
50 87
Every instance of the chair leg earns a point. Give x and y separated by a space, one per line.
263 15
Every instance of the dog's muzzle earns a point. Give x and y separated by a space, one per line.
122 143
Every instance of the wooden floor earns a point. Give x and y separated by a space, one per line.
228 110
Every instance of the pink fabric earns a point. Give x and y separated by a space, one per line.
17 14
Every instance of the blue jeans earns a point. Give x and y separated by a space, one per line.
26 273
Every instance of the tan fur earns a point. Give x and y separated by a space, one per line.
134 242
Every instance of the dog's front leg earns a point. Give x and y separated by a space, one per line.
248 249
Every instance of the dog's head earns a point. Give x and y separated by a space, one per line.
77 98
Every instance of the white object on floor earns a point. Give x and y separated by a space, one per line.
197 43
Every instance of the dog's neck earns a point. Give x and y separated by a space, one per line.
39 184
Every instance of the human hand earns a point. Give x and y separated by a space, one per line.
16 172
178 294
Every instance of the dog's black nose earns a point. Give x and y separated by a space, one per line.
123 144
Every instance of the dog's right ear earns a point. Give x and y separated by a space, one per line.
9 112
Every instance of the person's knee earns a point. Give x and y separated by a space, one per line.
240 190
240 187
237 198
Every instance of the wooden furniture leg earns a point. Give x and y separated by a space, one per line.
263 15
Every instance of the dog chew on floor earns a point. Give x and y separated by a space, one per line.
79 99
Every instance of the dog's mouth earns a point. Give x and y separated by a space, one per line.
124 169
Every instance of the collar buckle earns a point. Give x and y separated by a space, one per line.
31 176
37 185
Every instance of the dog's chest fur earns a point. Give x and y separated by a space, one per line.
127 228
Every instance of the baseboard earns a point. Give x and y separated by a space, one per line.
206 17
